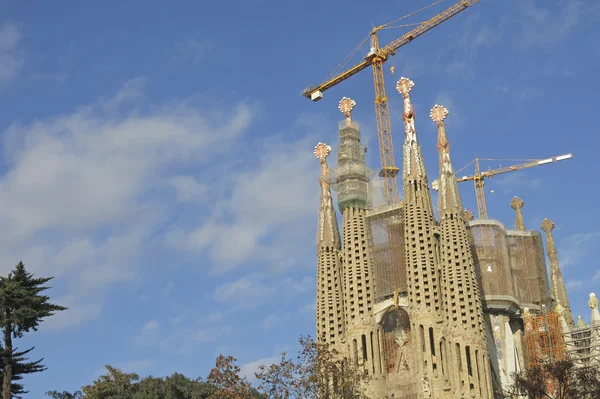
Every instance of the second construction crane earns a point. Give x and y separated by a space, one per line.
479 177
376 57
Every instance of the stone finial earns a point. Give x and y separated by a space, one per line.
580 322
346 106
547 226
517 204
404 86
593 302
526 313
322 150
468 214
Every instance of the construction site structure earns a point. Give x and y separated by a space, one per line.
479 178
428 307
376 57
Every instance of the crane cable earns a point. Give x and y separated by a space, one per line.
384 26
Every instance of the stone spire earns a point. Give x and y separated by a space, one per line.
559 291
449 201
330 311
422 267
361 331
463 309
593 304
327 230
517 204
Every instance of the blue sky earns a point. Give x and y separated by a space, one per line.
157 159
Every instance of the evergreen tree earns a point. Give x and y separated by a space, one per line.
22 309
65 395
20 367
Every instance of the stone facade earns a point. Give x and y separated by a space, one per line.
453 327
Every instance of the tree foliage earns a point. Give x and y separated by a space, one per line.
556 380
318 371
22 309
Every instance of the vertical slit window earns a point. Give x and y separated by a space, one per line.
364 347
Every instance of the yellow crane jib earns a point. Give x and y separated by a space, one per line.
375 58
479 177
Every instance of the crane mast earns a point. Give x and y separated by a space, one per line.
376 57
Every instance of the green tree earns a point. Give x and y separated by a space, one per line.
20 367
65 395
22 309
556 380
318 371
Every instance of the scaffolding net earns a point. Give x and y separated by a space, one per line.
492 263
387 230
544 340
528 265
352 174
398 354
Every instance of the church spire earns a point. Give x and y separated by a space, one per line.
420 257
459 285
559 291
449 201
327 230
517 204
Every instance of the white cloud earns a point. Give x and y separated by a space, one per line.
177 338
596 276
546 26
76 200
189 189
254 289
272 202
575 248
248 369
11 55
574 285
514 183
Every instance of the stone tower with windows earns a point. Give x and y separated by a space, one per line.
421 259
463 354
361 331
330 309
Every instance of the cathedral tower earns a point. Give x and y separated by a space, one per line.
464 349
330 309
557 284
421 260
362 333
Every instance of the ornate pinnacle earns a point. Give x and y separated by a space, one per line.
593 302
322 150
404 86
547 226
468 215
438 114
346 106
517 204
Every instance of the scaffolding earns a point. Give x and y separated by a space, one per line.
352 174
492 263
387 230
583 345
544 339
398 353
528 264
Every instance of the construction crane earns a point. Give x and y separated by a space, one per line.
376 57
479 176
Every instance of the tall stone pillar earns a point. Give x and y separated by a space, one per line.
517 204
557 284
361 331
330 309
422 267
463 310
